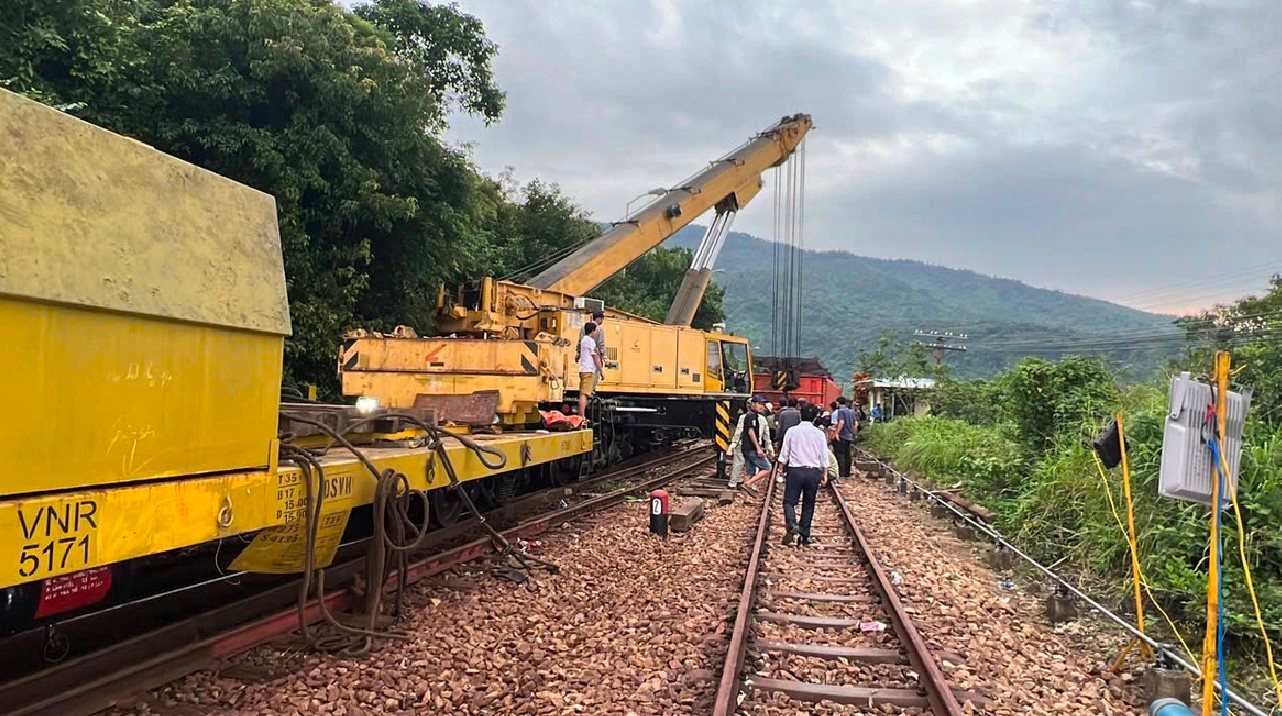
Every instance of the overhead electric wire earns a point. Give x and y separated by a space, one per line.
1261 338
1266 268
1179 332
1258 334
1075 341
1078 341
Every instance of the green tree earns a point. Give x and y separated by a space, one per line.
648 285
534 225
893 357
333 113
1046 399
1252 329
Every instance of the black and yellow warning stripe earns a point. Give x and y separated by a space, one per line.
723 425
781 380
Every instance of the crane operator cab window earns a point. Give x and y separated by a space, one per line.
735 357
732 366
713 380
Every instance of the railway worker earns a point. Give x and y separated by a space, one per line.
747 444
598 317
804 460
589 366
756 440
788 418
843 428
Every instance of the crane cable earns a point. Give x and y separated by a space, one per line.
788 256
774 277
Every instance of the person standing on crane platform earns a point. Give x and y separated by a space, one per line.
598 317
589 366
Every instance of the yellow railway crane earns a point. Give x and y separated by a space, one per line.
504 351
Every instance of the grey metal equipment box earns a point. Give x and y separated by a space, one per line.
1187 466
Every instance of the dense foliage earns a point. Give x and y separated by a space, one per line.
1024 453
338 115
850 302
648 286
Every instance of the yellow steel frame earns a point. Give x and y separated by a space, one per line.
62 533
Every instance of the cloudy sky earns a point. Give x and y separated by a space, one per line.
1110 148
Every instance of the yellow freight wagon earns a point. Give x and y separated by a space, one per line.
142 301
143 305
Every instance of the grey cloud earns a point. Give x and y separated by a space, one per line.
1089 145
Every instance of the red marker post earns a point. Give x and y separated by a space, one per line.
659 512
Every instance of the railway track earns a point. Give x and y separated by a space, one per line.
824 624
122 670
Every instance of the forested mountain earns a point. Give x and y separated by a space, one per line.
849 302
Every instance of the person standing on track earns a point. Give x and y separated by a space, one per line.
788 418
748 444
589 366
804 459
843 434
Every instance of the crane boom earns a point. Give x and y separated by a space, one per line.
727 184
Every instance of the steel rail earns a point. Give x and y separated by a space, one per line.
737 651
105 678
938 694
1165 649
933 681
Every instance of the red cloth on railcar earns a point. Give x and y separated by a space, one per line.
557 421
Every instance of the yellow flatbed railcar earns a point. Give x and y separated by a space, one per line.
61 533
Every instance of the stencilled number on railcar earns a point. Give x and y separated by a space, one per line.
58 538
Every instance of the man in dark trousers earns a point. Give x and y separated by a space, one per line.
804 458
843 434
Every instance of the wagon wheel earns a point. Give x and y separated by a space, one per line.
447 507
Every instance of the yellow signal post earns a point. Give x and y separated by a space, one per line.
1145 651
1210 659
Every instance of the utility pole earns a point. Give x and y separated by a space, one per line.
941 343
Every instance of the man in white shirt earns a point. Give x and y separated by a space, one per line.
804 458
589 364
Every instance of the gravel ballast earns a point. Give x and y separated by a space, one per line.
1013 655
632 624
